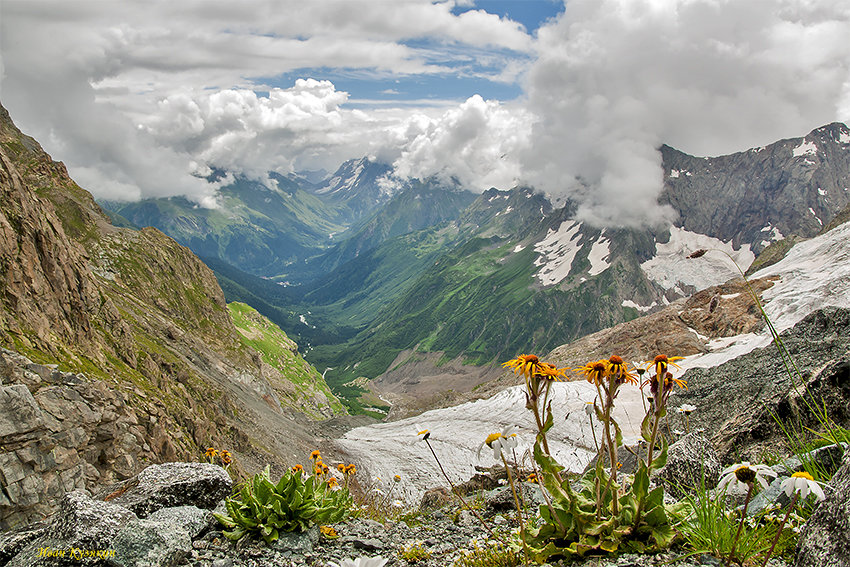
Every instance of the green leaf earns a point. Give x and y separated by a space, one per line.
224 520
646 426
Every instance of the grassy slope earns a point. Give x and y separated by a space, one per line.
281 352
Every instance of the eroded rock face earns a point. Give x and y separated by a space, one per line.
59 432
740 401
824 537
81 528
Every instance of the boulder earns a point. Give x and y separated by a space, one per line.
172 484
81 533
162 539
691 462
823 539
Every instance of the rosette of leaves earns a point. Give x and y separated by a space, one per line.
293 504
581 520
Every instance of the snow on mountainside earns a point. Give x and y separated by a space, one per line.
667 270
814 274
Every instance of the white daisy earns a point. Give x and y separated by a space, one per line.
499 442
361 562
803 483
738 477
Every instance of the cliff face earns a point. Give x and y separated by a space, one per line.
791 187
141 334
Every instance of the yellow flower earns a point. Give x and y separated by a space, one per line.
620 370
211 453
225 457
593 372
662 360
350 469
315 455
548 371
669 381
341 468
397 478
297 469
332 482
328 532
525 364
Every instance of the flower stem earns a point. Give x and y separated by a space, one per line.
456 492
740 524
779 532
520 517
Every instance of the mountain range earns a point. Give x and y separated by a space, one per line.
426 283
121 347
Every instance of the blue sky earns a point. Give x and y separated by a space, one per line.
467 74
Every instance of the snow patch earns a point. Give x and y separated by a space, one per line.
805 149
519 248
599 252
821 192
557 252
674 173
670 268
641 308
844 137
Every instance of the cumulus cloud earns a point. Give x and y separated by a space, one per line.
477 143
614 79
138 98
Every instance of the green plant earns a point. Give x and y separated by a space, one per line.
604 513
295 503
414 552
493 553
712 529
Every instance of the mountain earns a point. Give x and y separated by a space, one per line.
428 279
521 277
359 187
119 349
260 228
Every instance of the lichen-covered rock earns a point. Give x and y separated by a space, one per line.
691 463
173 484
824 538
81 533
162 539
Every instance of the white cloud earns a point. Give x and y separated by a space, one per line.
83 76
614 79
135 96
477 142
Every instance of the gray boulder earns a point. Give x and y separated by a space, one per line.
691 462
81 533
824 537
172 484
162 539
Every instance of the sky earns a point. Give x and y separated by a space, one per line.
141 98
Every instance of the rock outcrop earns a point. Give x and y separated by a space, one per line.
60 431
741 403
151 523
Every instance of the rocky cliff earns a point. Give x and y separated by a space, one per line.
149 366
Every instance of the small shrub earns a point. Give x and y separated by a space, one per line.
493 554
414 552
